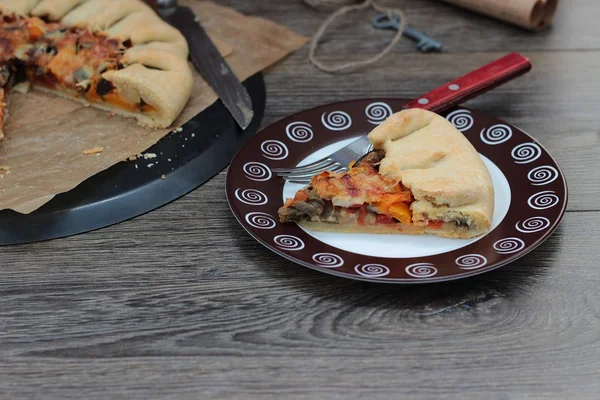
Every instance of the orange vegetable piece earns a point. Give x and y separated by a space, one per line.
35 26
386 201
435 224
64 64
401 212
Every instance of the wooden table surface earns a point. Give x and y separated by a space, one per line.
182 303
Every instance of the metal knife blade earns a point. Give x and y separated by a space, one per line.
207 59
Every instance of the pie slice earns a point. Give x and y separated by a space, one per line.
423 176
116 55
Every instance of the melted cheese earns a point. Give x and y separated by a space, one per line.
357 186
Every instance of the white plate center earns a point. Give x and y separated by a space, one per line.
402 246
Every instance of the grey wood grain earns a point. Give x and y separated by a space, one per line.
156 322
182 303
575 27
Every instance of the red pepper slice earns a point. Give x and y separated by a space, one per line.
436 224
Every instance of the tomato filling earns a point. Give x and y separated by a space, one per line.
360 195
69 59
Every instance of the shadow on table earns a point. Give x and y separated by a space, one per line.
428 299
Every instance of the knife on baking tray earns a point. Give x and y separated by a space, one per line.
207 60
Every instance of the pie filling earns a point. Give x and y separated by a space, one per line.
67 60
361 196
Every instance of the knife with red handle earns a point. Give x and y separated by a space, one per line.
473 84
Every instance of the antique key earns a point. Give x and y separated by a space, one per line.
424 42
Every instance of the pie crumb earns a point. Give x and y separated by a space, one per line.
163 177
149 155
94 150
132 158
22 87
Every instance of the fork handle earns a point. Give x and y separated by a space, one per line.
473 84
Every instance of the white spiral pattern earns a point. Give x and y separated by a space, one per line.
496 134
257 171
509 245
260 220
471 261
288 242
299 131
328 260
533 224
461 119
542 175
274 150
252 197
526 153
378 112
543 200
372 270
336 120
421 270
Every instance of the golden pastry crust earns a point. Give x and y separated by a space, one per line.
447 230
19 7
441 168
156 67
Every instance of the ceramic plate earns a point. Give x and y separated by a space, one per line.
530 196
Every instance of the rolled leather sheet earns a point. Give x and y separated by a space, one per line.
528 14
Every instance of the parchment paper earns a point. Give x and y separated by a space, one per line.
528 14
46 135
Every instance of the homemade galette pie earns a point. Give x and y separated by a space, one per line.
424 176
117 55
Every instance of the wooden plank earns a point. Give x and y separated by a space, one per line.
182 303
575 27
210 313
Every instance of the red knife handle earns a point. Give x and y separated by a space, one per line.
473 84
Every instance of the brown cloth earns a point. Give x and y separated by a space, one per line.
46 137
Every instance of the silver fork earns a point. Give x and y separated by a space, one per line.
335 162
438 100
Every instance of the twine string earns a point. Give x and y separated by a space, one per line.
354 65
